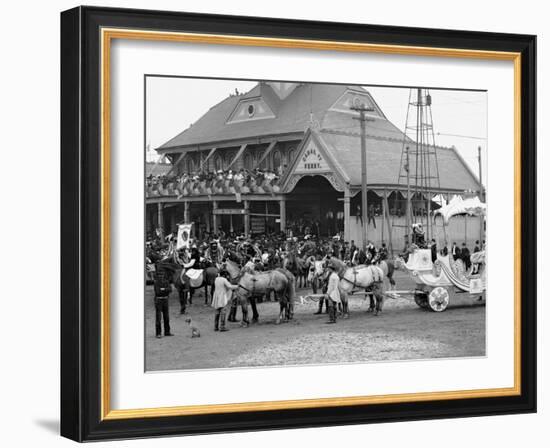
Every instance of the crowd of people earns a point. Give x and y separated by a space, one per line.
215 182
266 252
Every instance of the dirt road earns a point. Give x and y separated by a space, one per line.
402 331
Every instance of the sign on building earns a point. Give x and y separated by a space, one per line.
312 161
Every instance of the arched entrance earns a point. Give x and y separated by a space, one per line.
315 207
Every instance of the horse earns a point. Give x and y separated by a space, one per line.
185 285
388 268
315 274
252 284
359 277
297 266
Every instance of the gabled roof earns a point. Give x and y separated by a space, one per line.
157 169
310 106
384 161
293 115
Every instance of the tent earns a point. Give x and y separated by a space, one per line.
459 206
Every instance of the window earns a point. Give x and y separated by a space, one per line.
251 109
291 154
217 163
276 159
248 161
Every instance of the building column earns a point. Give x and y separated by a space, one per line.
347 223
160 217
148 220
282 214
214 216
172 219
186 212
246 218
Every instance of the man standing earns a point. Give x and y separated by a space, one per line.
333 294
445 250
455 251
358 215
162 290
371 214
221 297
433 248
465 255
383 253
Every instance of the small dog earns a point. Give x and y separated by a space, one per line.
195 333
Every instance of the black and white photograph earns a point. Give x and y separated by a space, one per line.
293 223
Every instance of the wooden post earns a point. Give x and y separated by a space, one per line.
282 214
246 218
148 220
387 217
186 212
172 219
160 218
214 216
481 197
347 229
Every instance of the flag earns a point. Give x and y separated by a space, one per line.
184 232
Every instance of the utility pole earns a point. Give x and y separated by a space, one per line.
362 109
408 211
481 196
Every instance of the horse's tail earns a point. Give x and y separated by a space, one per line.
391 270
291 289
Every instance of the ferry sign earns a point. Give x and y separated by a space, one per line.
311 161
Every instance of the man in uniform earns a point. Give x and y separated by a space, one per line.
162 289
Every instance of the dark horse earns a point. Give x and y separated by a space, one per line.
185 286
298 267
254 284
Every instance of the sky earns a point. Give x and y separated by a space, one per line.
459 117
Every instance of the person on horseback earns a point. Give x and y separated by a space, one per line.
223 290
195 257
214 253
372 253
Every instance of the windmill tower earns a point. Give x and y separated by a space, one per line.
419 170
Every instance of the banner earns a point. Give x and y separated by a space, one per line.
184 234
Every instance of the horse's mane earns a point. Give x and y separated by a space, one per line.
338 264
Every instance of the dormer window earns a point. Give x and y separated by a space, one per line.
250 109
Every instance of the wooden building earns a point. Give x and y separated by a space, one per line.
307 133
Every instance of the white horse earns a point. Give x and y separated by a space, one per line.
359 277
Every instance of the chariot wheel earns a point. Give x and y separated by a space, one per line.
438 299
421 299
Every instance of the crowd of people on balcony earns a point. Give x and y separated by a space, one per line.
258 181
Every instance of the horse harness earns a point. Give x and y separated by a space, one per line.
376 276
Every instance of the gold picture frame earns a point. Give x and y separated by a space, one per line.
106 31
